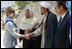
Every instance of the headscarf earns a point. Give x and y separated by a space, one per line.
12 20
31 13
28 23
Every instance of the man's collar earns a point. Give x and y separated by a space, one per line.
63 15
47 13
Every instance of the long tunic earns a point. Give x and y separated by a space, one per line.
47 30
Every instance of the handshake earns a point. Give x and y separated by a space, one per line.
27 36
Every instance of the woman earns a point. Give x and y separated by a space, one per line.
10 29
28 24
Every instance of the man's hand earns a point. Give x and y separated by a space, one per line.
27 36
31 34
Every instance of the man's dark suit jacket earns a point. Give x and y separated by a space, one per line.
61 39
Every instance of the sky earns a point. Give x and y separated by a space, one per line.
4 4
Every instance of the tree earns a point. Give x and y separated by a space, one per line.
22 4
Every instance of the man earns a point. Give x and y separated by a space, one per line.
62 32
47 27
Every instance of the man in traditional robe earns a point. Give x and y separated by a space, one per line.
47 27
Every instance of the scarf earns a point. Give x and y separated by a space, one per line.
10 19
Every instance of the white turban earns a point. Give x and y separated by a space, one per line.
45 5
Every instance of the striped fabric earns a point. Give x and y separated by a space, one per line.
50 30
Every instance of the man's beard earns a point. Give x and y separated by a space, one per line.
41 13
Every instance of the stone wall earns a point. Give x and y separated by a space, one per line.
35 7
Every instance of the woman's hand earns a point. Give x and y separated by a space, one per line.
26 36
23 36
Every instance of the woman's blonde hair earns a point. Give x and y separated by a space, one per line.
9 10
